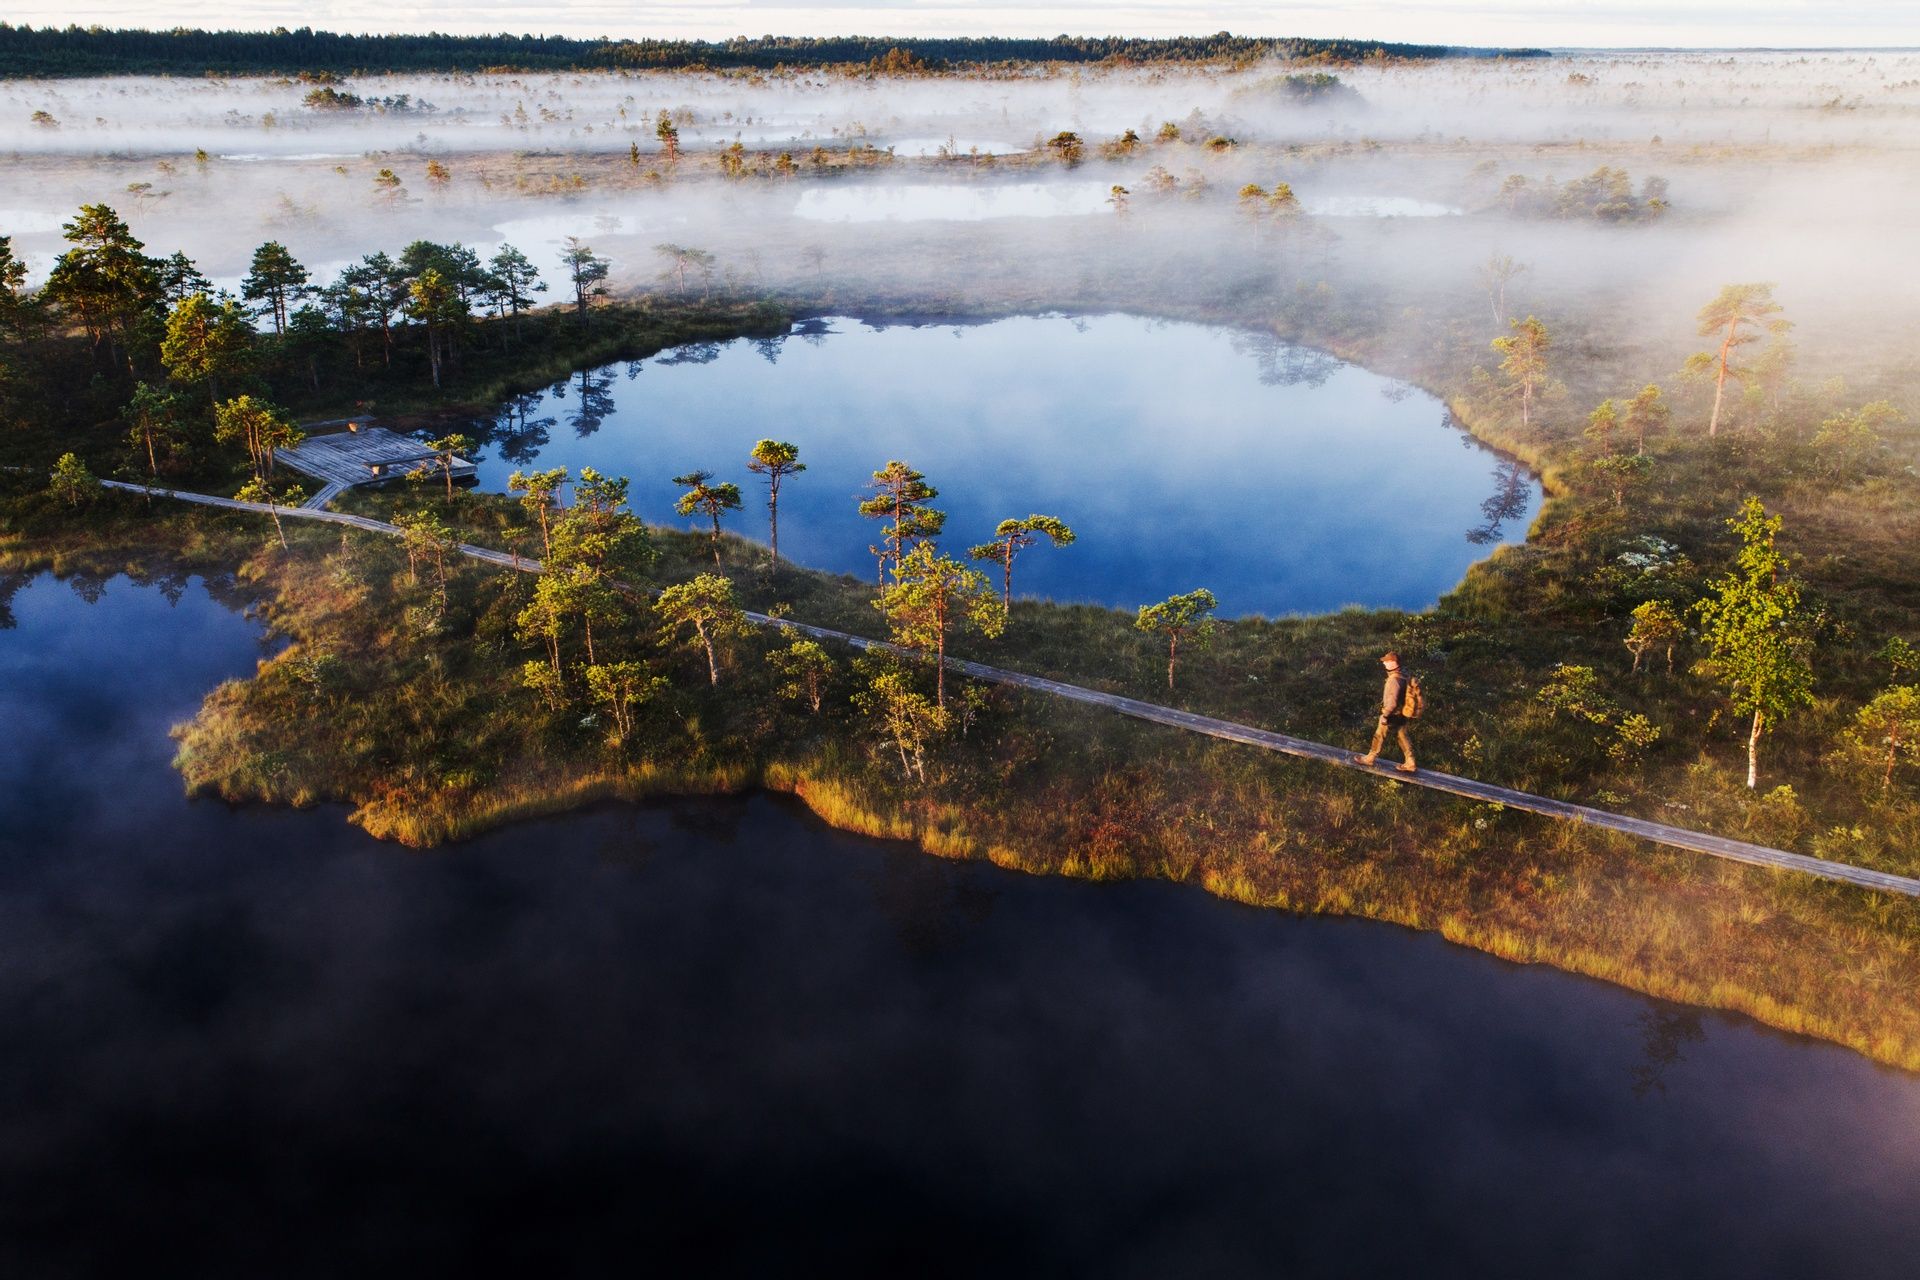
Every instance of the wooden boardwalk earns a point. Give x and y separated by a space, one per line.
341 460
1640 828
324 494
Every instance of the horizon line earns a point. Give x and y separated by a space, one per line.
95 28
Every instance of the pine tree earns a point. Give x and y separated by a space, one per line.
1012 537
776 460
1739 314
1187 618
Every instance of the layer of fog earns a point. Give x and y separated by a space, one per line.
1846 98
1798 170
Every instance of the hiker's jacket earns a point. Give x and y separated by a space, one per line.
1393 695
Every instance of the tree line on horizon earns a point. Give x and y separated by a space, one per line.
85 51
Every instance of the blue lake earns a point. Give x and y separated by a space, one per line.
720 1037
1183 455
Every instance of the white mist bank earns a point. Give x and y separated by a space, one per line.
1685 98
1798 169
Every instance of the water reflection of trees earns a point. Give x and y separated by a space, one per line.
1285 364
10 585
769 348
1664 1033
812 332
89 586
1512 494
692 353
592 394
172 584
517 433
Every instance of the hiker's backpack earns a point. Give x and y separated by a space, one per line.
1414 700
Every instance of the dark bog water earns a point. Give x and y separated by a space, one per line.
717 1038
1183 455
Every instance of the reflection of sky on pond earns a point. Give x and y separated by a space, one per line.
1183 455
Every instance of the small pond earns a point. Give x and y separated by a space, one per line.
724 1038
1183 455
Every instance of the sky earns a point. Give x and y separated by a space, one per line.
1595 23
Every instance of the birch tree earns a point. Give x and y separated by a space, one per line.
1753 629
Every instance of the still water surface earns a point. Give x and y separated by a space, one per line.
719 1035
1184 455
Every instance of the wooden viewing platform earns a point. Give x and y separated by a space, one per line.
362 454
1265 739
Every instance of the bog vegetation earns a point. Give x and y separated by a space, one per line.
1712 625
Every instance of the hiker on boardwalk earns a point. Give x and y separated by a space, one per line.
1394 715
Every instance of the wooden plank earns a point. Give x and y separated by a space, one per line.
323 495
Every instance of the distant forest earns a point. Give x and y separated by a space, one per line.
91 51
